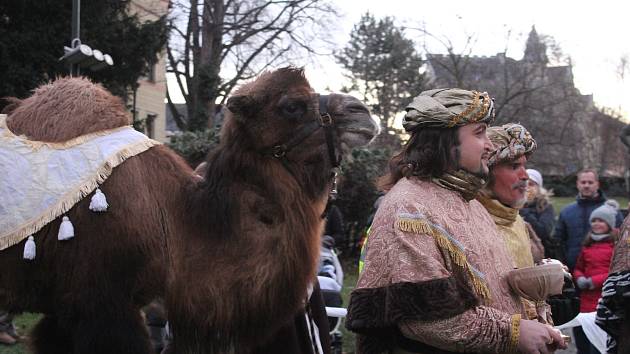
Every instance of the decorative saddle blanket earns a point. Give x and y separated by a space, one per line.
40 181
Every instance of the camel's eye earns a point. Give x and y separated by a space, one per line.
293 109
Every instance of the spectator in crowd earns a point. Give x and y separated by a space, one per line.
432 278
8 335
539 213
334 225
366 231
573 222
591 268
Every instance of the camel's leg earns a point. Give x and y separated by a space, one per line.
112 330
192 339
48 338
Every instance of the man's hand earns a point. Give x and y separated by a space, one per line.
538 338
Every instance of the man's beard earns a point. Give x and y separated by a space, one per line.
519 203
482 171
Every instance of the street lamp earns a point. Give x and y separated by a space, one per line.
80 55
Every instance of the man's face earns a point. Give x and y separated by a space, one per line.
474 148
587 184
510 182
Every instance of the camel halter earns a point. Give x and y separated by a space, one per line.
325 121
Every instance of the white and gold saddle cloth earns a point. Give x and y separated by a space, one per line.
41 181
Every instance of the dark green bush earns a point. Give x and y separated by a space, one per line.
565 186
357 189
194 146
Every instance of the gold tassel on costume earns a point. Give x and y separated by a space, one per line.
459 258
422 226
416 226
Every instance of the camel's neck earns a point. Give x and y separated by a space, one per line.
282 186
260 246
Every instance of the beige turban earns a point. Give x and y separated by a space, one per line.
447 108
510 141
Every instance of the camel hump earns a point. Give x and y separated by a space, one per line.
66 108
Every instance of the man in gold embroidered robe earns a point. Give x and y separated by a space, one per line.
505 192
432 280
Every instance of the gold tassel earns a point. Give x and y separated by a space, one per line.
417 226
421 226
459 258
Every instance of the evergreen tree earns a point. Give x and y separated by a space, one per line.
383 65
33 33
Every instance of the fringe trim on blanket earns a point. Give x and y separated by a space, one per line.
420 226
36 145
71 198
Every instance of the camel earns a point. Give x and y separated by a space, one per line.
232 253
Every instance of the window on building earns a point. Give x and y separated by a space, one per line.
152 72
150 125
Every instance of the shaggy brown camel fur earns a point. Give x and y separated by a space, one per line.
232 253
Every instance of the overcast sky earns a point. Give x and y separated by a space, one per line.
594 34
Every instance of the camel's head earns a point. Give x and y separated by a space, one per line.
280 108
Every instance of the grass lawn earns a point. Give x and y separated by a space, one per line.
350 275
23 323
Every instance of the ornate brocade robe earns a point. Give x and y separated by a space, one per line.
513 229
433 277
516 236
613 309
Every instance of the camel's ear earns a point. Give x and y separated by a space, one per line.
244 106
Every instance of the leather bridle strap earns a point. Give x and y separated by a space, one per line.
279 151
335 161
328 124
325 121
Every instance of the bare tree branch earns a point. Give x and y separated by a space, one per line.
241 36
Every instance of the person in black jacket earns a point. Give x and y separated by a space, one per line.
539 212
334 226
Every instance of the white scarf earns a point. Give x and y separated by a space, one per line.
40 181
599 237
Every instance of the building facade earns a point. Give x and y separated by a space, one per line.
572 133
147 101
